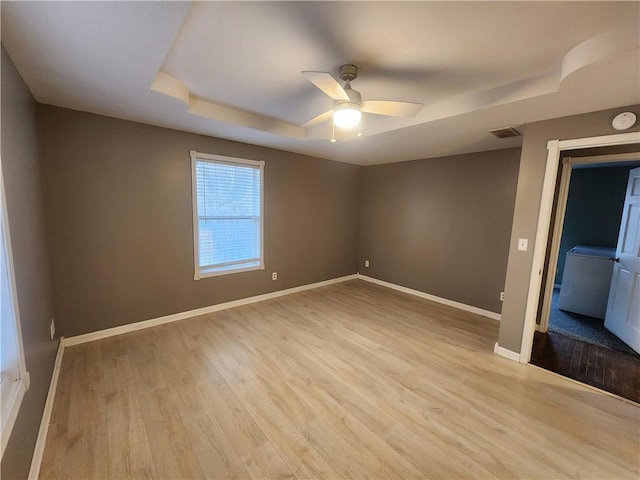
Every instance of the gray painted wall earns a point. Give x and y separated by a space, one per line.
594 210
441 225
22 178
527 207
120 215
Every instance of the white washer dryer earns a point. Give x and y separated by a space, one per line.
586 280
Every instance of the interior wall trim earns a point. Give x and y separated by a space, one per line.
38 451
132 327
503 352
433 298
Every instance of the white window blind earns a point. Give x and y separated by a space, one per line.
227 220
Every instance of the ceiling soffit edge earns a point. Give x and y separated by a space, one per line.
596 49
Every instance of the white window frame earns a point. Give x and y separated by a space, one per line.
214 272
22 384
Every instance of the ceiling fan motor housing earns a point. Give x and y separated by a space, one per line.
348 72
346 113
354 97
353 106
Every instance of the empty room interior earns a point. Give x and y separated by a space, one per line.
320 240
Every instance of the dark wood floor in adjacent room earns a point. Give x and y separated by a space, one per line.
600 367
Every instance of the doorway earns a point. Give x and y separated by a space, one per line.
572 338
549 216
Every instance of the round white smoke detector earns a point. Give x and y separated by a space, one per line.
624 120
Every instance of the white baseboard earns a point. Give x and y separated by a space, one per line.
503 352
132 327
38 451
428 296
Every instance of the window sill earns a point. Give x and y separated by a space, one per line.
205 273
11 406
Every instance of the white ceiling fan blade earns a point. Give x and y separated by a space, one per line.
329 85
391 109
323 117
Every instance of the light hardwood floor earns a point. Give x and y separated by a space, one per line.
348 381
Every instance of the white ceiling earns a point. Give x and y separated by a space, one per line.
475 65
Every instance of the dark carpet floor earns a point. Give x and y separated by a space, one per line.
584 328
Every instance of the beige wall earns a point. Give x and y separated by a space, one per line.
22 179
441 225
119 209
525 217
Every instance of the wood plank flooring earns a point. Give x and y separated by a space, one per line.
601 367
351 380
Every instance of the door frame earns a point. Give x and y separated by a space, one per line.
561 209
554 148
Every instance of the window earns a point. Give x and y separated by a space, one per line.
14 377
227 214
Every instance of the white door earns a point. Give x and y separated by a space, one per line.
623 308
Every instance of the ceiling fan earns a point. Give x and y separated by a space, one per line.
348 105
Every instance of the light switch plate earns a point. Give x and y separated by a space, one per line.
523 244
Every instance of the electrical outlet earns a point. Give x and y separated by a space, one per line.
366 263
274 276
502 296
52 328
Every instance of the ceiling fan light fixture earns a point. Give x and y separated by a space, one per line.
346 115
